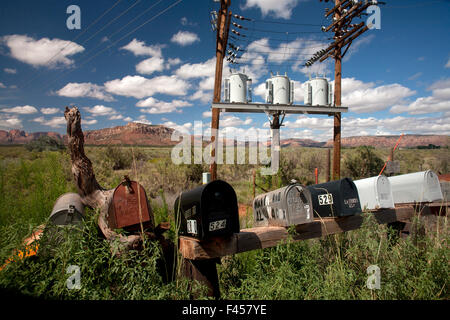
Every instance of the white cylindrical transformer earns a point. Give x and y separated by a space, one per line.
237 88
279 90
318 92
375 192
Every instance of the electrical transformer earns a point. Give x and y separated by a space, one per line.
335 198
318 92
208 211
238 88
375 192
416 187
279 90
290 205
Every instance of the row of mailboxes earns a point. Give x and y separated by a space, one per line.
212 210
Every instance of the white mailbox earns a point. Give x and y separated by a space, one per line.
375 192
416 187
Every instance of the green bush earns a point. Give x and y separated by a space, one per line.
45 143
364 163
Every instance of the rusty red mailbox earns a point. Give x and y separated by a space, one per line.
129 198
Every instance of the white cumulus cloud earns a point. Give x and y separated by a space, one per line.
56 122
197 70
150 65
140 87
362 97
439 101
155 106
184 38
100 110
49 110
21 110
280 8
43 52
10 122
139 48
86 89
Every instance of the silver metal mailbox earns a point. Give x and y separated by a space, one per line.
375 192
416 187
290 205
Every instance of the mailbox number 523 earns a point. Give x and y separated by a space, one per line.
325 199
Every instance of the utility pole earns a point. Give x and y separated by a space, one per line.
345 32
337 97
223 26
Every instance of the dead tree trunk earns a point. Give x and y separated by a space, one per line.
93 195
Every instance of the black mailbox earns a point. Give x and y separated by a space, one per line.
335 198
208 211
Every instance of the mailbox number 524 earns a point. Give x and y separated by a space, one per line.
325 199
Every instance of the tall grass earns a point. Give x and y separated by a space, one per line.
333 267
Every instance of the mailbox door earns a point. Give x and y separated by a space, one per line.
335 199
324 200
125 211
220 215
350 204
299 206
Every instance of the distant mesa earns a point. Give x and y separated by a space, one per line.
134 133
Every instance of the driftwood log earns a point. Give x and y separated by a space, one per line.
92 194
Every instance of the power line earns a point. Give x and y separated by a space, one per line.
283 32
271 39
287 23
254 43
33 77
109 23
129 33
269 53
123 27
282 60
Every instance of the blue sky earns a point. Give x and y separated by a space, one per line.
395 80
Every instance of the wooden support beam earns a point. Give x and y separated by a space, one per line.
266 237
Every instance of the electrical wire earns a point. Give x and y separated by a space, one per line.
287 23
283 32
269 53
123 27
109 23
126 35
271 39
36 75
255 43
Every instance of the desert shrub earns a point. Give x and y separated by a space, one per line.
120 158
45 143
363 163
